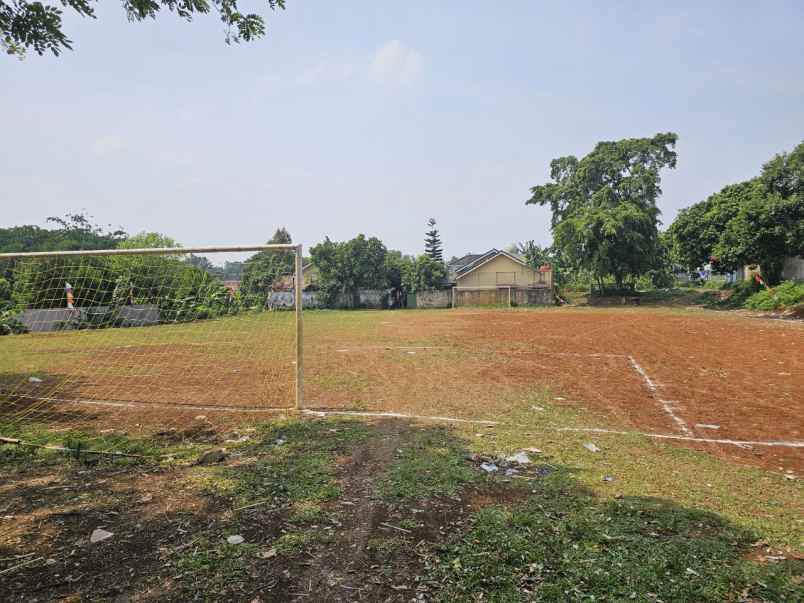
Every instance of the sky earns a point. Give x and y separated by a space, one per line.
369 117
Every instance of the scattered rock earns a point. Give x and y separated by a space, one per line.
99 535
591 447
235 539
212 456
789 476
533 450
280 440
489 467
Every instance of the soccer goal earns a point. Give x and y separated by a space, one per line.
148 339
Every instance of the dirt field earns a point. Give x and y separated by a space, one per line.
688 375
660 440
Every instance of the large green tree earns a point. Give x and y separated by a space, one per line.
604 213
346 267
263 269
37 26
760 221
423 273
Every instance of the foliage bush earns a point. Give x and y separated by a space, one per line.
788 294
9 325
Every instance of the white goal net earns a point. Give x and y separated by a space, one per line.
147 340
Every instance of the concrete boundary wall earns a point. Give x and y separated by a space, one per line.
60 319
531 296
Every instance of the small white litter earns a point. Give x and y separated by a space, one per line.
520 457
591 447
236 539
99 535
489 467
707 426
537 408
280 440
533 450
34 380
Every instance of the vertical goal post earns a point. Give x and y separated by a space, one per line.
102 369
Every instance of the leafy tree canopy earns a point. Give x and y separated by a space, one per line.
423 272
72 232
604 213
760 221
26 25
346 267
263 269
148 240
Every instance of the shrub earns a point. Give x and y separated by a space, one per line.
9 324
789 293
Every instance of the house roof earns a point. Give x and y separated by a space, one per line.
487 258
469 260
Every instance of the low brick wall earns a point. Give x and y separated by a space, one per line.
366 298
286 300
434 298
531 296
59 319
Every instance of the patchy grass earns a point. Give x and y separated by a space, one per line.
80 445
427 464
755 499
293 543
213 566
565 543
289 462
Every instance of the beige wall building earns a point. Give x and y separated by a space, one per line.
498 277
502 269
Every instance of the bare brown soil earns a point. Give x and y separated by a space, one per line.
743 375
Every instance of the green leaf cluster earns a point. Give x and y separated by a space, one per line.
604 213
760 221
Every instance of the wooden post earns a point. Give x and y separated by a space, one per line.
509 296
299 284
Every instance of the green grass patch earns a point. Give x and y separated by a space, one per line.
565 543
430 462
290 462
293 543
213 567
80 445
785 295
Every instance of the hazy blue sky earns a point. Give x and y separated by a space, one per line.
371 116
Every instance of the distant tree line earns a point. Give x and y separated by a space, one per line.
605 218
759 221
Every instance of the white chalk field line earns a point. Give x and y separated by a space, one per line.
667 405
397 415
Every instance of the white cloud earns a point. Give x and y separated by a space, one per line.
106 145
397 63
